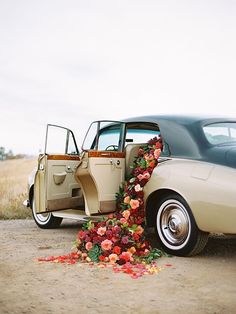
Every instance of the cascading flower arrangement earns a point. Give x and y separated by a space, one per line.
119 239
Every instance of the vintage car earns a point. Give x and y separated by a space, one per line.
190 194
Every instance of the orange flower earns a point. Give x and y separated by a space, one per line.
101 258
106 245
117 250
134 204
139 230
132 250
152 164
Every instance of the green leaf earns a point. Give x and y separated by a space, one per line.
94 253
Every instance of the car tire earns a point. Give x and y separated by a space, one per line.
45 221
176 229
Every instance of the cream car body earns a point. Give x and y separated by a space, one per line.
191 192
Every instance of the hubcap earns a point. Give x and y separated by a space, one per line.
174 223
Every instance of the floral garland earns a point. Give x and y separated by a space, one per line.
119 239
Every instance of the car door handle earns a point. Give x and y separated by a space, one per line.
68 169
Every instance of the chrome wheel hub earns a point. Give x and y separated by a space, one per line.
174 223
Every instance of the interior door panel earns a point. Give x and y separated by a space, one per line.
100 174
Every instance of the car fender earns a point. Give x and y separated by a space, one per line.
208 189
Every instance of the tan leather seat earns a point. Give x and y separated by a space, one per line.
131 151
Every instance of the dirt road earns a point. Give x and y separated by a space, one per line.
201 284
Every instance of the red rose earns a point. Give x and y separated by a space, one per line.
117 250
101 258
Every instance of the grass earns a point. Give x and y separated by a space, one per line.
13 187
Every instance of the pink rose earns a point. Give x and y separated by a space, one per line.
146 175
88 246
140 177
157 153
123 220
101 231
126 256
125 240
106 245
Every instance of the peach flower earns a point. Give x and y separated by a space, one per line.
132 250
139 230
84 256
126 214
106 245
134 204
113 258
127 200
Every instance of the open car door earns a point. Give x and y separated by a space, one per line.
102 166
55 185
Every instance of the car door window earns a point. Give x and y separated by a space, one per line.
103 135
60 141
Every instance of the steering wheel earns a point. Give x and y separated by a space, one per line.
112 147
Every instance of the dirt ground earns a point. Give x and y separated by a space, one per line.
201 284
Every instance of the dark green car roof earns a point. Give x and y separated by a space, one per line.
185 137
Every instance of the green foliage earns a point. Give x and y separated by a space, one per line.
120 196
94 253
153 255
142 163
88 225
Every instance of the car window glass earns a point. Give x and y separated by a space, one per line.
220 133
56 140
59 141
140 135
71 148
103 135
90 138
109 139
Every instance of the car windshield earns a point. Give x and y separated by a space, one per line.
220 133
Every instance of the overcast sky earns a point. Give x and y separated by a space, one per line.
70 62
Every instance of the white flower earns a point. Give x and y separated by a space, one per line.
138 188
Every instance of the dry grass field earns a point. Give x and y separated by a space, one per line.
13 187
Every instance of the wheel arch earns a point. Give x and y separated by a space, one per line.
31 194
152 200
